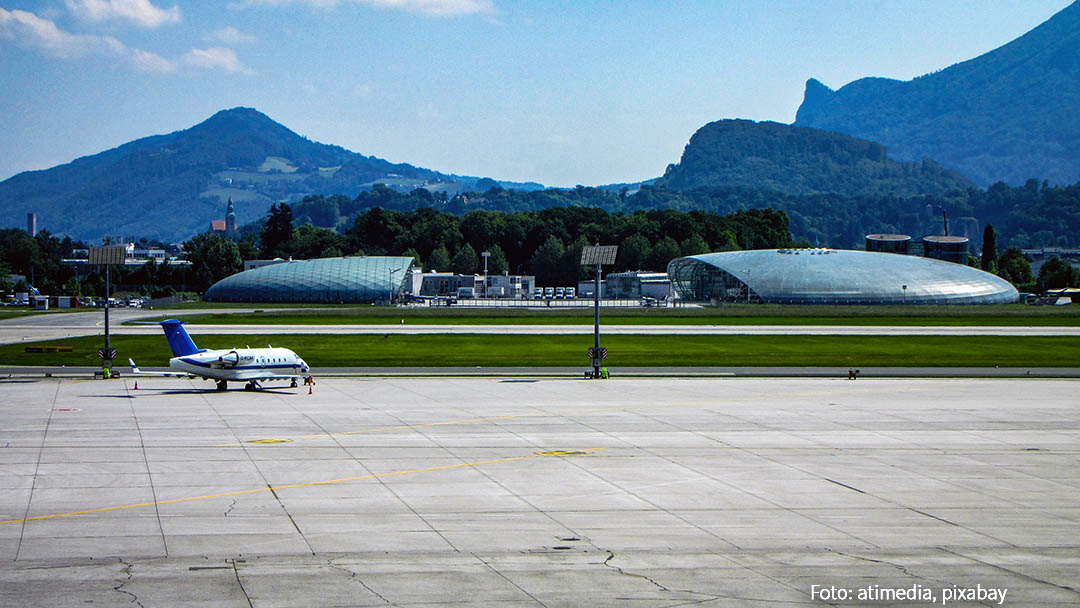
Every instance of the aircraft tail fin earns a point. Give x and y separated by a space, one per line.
179 340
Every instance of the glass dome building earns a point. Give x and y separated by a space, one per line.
326 280
831 276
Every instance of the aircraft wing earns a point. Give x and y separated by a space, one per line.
135 370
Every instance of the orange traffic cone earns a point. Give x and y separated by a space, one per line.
309 389
136 385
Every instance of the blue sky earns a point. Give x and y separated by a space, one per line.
563 93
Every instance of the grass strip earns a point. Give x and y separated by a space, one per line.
1018 315
468 350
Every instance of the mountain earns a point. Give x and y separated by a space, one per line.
171 186
1007 115
799 160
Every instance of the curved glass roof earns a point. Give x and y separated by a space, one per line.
832 276
325 280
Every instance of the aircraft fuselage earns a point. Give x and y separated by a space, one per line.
241 364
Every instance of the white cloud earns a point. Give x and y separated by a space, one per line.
439 8
215 58
28 30
433 8
142 13
151 62
230 35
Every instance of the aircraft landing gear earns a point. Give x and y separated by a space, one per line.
252 386
293 383
222 385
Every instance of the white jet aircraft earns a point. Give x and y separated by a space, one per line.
251 365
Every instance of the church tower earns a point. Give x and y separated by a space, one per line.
230 220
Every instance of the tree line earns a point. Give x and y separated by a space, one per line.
39 259
544 243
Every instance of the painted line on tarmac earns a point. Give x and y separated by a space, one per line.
405 427
325 482
384 429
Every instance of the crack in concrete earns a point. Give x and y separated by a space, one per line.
706 597
240 583
231 507
356 577
1011 571
120 583
899 567
611 556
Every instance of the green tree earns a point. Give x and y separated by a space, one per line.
1057 273
439 260
310 241
247 247
465 260
572 270
989 261
694 245
213 257
411 253
497 263
665 250
1014 268
72 287
277 232
633 253
547 261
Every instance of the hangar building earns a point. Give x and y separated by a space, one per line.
832 276
364 279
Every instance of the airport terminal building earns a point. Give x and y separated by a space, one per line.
831 276
351 280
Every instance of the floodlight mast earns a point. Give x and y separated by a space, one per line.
597 255
107 256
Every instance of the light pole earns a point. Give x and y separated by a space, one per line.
106 256
597 255
904 287
945 218
486 254
390 286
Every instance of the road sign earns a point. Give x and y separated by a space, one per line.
106 354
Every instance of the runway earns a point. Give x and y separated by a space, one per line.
70 325
537 492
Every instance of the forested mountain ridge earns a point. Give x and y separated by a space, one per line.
170 186
1007 115
800 160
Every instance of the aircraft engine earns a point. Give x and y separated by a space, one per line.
229 359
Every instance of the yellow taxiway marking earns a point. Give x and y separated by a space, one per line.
384 429
302 485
